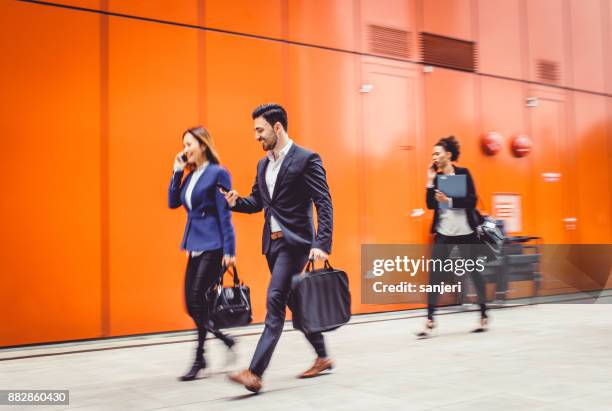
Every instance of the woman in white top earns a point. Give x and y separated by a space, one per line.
454 224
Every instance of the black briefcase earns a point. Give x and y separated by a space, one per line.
229 306
320 299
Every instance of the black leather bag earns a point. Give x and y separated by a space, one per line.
320 299
490 233
229 306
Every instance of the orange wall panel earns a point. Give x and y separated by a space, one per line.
608 123
392 159
87 4
608 45
323 117
260 18
587 44
450 110
549 132
499 38
392 152
546 34
242 74
50 168
592 167
153 89
329 23
452 18
502 109
183 11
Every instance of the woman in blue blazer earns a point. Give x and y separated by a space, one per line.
209 234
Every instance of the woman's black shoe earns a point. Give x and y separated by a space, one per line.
429 326
484 325
193 372
229 342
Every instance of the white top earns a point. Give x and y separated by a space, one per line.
271 176
194 179
453 221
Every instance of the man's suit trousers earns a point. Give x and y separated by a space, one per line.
284 260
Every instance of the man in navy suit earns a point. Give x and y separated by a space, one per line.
289 180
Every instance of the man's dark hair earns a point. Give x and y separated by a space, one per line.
272 112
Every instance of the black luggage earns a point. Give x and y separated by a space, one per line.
229 306
320 300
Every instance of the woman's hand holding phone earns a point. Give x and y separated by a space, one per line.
180 161
431 174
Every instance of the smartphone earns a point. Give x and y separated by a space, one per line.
184 157
222 187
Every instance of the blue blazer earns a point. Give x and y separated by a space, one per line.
209 222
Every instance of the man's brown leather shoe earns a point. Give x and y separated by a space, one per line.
320 365
250 381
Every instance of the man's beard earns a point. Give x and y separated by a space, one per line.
269 145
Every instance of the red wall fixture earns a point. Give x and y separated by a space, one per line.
491 143
521 145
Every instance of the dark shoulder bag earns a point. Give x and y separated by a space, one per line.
230 306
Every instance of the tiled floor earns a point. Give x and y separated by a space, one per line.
544 357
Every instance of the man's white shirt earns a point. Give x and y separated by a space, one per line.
272 170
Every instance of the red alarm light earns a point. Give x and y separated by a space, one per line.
521 145
491 143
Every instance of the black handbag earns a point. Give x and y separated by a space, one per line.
229 306
320 299
490 233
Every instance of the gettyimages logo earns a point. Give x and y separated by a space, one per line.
411 266
401 273
408 273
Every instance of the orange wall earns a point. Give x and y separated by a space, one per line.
231 93
152 93
499 38
501 109
329 23
591 140
587 44
183 11
453 18
261 18
333 104
95 104
50 162
547 37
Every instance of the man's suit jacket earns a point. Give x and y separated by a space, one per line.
209 222
301 181
468 202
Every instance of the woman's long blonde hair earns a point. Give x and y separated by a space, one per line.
204 138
